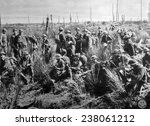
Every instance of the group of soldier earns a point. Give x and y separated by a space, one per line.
75 54
129 58
14 55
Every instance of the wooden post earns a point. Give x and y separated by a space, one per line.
70 19
149 13
51 17
64 21
0 26
28 20
141 11
77 17
113 16
47 25
117 13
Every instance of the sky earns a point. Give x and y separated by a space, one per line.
18 11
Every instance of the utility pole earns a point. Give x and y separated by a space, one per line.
141 11
90 14
113 16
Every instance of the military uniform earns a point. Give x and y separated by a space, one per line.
69 38
4 43
60 42
86 44
78 38
7 71
128 46
58 72
22 44
26 65
14 46
146 60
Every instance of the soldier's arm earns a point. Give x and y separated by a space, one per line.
74 41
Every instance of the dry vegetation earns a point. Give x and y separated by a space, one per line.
77 93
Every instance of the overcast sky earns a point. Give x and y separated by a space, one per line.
101 9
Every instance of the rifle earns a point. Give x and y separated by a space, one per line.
84 73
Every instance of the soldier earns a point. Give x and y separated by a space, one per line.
45 44
70 50
100 33
128 45
84 60
46 49
60 40
87 41
69 38
58 71
78 38
94 40
7 70
112 27
26 66
106 41
138 75
13 44
22 43
94 68
146 58
76 64
4 42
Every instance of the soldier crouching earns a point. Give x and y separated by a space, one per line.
26 67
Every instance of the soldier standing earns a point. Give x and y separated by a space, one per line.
13 44
46 47
78 38
4 42
22 43
60 40
87 41
69 38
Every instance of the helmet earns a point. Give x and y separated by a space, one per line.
77 55
105 32
78 29
85 30
20 30
146 49
25 53
44 35
2 53
99 27
58 56
93 33
68 31
14 30
94 57
70 42
4 30
61 29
